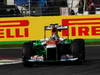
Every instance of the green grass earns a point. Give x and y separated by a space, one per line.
12 44
20 45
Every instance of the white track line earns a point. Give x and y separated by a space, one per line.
16 62
19 60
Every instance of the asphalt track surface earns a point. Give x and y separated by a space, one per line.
90 67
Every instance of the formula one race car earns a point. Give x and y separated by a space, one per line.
54 48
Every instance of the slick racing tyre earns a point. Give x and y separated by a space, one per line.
78 50
27 52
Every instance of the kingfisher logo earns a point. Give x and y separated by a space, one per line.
14 29
82 27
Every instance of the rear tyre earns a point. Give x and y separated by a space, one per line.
27 52
78 50
63 49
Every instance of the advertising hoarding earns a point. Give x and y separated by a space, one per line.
32 28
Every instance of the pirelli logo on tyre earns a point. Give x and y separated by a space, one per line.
82 28
14 28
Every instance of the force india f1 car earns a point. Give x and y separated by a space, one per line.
53 49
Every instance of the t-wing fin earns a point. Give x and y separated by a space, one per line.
58 27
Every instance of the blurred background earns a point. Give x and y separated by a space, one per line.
10 8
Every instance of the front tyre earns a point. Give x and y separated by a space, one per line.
27 52
78 49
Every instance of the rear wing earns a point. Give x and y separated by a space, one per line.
58 27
